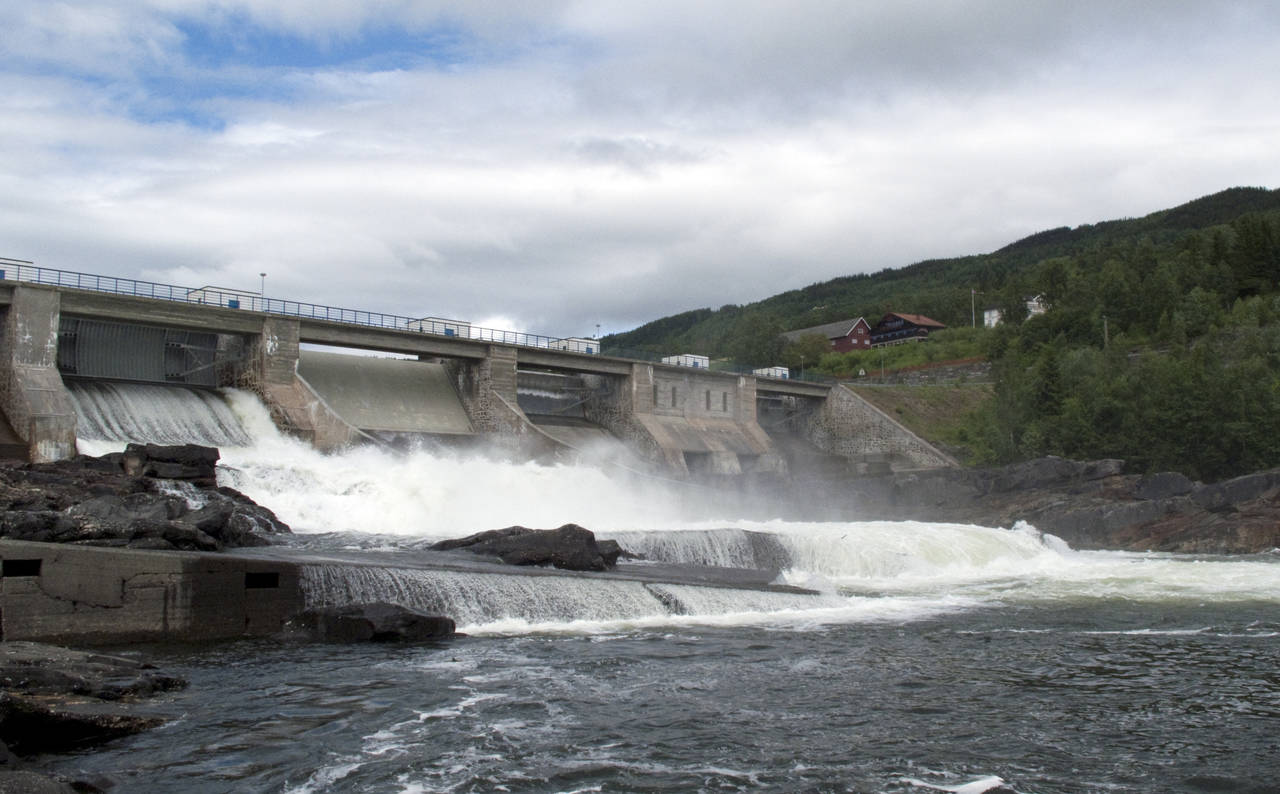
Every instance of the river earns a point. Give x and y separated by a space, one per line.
936 657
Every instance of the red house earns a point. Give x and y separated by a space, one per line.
896 328
844 335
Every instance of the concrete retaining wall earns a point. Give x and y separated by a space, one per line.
849 426
63 593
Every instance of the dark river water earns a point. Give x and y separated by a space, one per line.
1098 695
937 657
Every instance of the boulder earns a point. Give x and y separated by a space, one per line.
95 501
376 622
190 462
24 781
1164 485
55 699
570 547
30 726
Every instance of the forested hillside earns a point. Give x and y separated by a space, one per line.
1161 345
939 288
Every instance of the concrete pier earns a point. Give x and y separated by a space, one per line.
31 392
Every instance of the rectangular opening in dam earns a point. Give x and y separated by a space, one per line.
261 580
16 568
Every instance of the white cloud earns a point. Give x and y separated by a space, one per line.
610 162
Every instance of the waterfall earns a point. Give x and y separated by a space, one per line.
723 548
485 598
154 414
474 598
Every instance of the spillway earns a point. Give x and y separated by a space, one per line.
386 395
123 412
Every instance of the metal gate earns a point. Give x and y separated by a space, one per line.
122 351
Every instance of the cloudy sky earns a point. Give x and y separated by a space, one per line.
550 166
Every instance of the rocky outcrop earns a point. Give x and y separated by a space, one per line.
570 547
55 699
377 622
1092 505
148 497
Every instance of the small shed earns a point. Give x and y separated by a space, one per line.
441 326
225 296
688 360
772 372
577 344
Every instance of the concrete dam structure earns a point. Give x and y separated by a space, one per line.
524 396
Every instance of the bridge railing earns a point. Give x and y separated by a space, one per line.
22 270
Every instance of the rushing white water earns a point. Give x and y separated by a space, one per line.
156 414
867 570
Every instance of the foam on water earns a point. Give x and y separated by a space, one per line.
873 570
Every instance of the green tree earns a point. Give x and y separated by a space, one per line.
805 352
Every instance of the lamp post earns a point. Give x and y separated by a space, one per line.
597 331
263 290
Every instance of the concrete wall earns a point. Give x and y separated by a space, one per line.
65 593
849 426
487 388
271 370
617 403
689 421
31 392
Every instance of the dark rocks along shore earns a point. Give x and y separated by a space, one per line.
1092 505
147 497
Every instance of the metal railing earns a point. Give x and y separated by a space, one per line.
22 270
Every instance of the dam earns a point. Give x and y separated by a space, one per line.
289 394
442 382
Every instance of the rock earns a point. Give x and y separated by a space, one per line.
570 547
94 501
23 781
190 462
56 699
1089 504
1162 486
34 668
31 726
1223 495
1047 472
377 622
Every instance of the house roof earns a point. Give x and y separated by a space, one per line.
835 330
914 319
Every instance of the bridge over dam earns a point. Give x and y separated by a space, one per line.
65 334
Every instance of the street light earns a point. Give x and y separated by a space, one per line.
262 291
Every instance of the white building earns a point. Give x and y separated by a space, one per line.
1035 305
577 344
225 296
441 326
772 372
688 360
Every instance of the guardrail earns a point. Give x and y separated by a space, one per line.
22 270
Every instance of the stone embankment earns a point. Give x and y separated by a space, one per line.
1092 505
